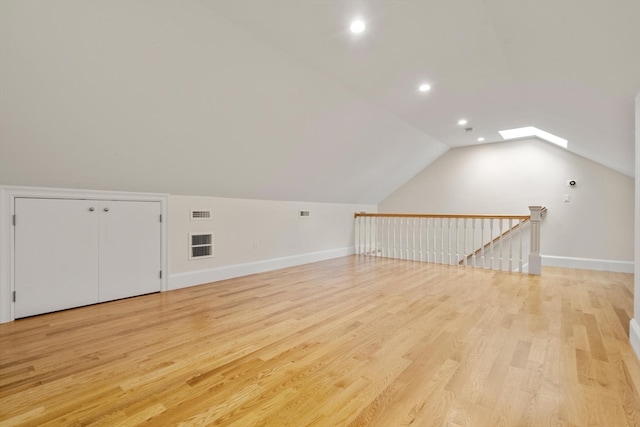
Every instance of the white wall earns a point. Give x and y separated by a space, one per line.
591 231
634 326
284 238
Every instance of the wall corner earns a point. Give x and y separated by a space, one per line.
634 329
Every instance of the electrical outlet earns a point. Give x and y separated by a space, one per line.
256 245
566 198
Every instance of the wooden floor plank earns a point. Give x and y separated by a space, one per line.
354 341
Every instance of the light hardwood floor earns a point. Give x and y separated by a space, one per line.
354 341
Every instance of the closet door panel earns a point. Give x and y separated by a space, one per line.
129 249
56 255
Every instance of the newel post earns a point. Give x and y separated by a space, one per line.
535 260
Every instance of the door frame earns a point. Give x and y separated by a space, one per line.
8 194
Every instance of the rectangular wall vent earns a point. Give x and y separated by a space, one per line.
200 245
200 215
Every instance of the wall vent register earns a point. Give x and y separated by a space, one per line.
200 245
200 215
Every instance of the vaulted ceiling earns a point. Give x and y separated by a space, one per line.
278 100
569 67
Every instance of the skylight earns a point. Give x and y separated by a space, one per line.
530 131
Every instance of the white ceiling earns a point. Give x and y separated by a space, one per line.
277 100
571 68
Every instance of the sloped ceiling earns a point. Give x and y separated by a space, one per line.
569 67
277 100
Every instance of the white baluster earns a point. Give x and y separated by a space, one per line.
376 243
367 224
491 258
465 253
374 237
426 239
441 240
395 225
520 254
406 241
457 259
381 236
445 241
473 242
366 234
400 232
448 257
409 237
401 243
356 231
363 235
386 240
510 244
403 246
420 237
413 238
500 266
372 234
388 235
435 238
369 227
482 257
363 225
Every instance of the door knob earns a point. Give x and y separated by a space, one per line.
91 209
106 209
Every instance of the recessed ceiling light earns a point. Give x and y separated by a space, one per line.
530 131
481 139
462 122
357 26
424 87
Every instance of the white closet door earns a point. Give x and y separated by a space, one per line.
129 249
56 255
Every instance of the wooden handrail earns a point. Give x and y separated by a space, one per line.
502 236
398 215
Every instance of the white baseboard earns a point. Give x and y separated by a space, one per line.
634 336
588 263
192 278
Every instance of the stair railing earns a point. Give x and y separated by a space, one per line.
495 242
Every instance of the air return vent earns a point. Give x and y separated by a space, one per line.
200 215
200 245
